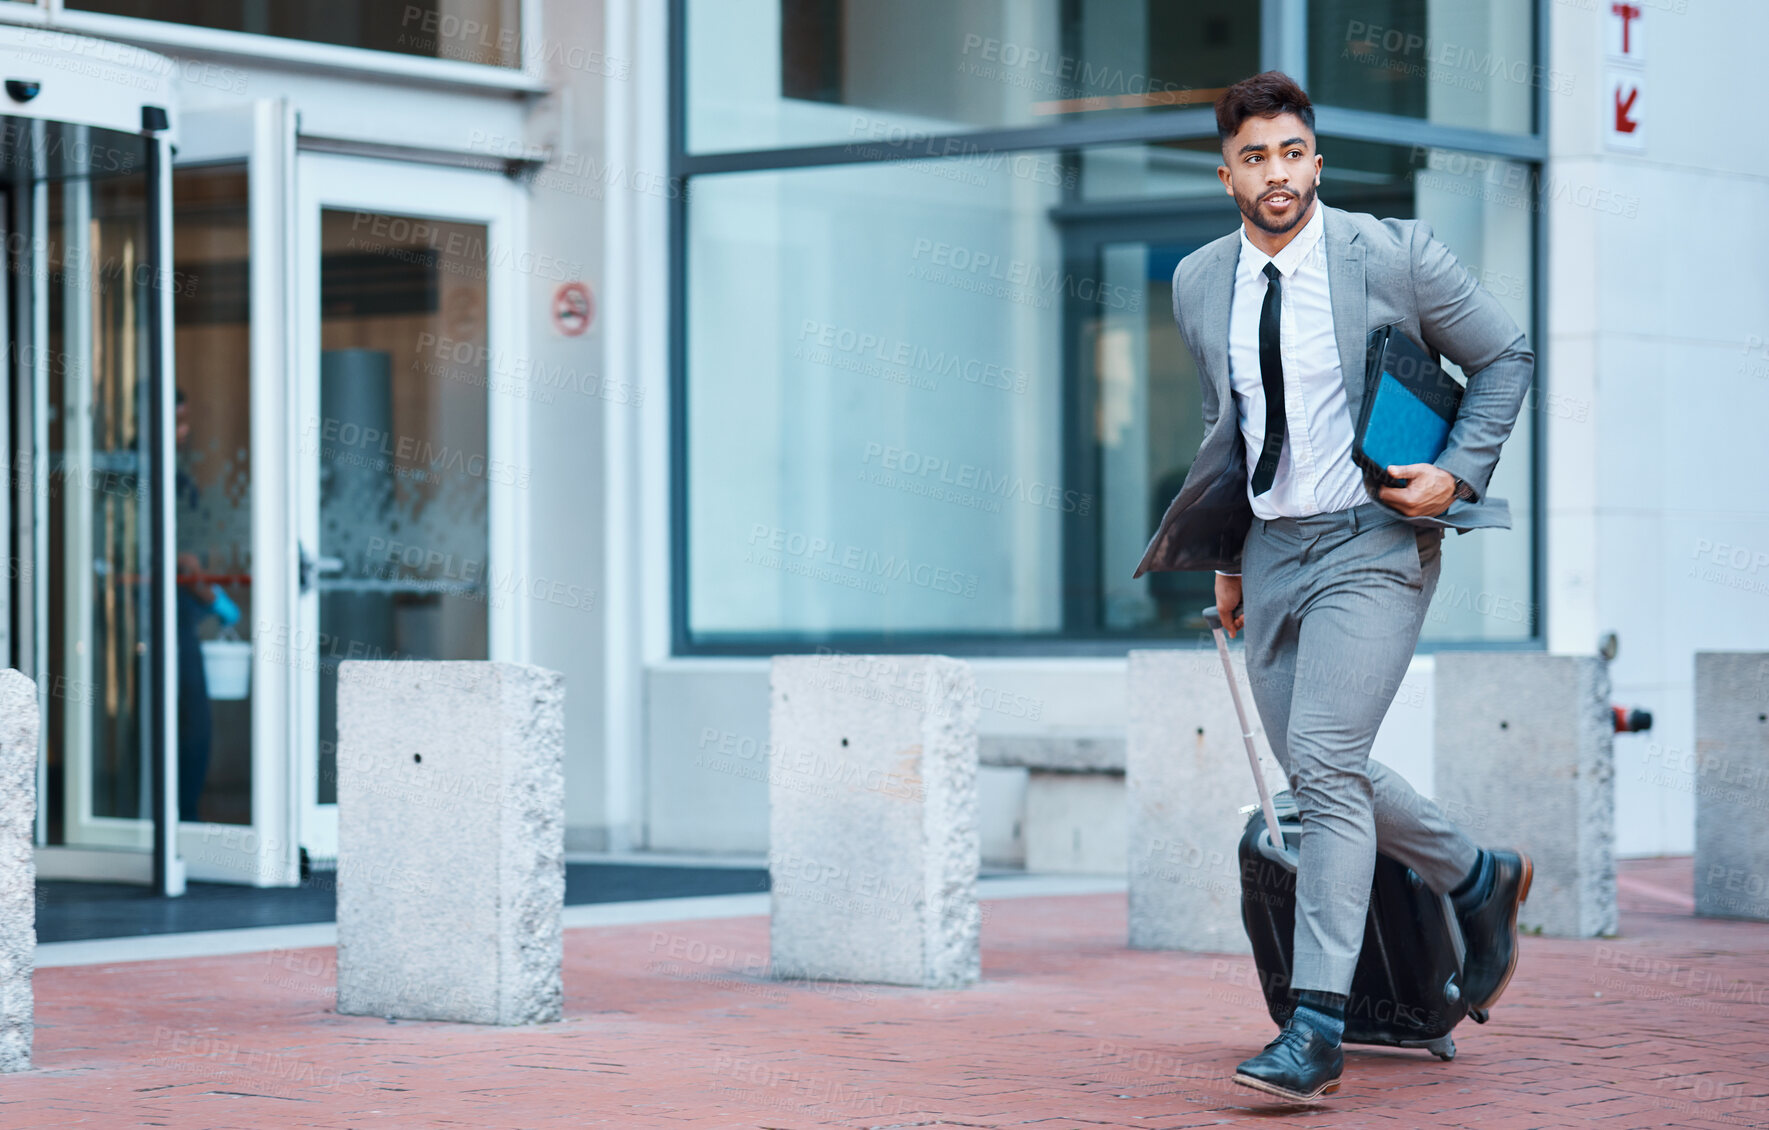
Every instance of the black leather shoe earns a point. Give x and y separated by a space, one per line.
1489 931
1299 1065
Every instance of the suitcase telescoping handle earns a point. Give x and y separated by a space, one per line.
1274 846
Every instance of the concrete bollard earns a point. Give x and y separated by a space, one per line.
451 841
18 867
1731 774
1525 759
1187 778
873 841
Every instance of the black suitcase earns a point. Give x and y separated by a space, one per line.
1406 991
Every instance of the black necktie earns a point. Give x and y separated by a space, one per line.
1271 375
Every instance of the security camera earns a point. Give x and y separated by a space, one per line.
23 89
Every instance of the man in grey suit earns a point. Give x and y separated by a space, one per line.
1329 571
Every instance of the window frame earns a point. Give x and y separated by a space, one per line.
1282 46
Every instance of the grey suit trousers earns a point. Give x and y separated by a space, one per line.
1333 606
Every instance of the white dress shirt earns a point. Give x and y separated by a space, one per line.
1315 473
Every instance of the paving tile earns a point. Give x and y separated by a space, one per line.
672 1026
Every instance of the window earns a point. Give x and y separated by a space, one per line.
1144 427
875 434
766 73
471 31
1450 62
942 402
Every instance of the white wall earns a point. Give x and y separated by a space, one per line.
569 202
1655 438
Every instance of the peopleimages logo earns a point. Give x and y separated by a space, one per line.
918 466
1070 75
1756 357
346 443
1502 181
1734 566
1439 58
795 552
1017 280
901 360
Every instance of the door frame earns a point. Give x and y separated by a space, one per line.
261 135
401 188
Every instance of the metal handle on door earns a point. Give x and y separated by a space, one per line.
311 567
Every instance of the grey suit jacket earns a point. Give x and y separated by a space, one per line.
1380 272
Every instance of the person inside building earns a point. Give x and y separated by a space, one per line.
198 599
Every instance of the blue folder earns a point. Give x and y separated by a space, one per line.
1409 406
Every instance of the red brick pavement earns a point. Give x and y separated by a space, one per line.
672 1026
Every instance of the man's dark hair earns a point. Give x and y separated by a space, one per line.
1262 96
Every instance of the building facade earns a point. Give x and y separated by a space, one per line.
645 340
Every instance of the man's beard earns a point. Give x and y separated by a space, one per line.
1249 207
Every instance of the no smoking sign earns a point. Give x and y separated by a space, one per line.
573 309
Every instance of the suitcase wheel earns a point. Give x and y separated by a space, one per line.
1478 1015
1443 1048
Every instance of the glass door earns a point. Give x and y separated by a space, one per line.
411 482
93 334
232 192
85 608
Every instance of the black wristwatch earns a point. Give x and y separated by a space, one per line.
1463 490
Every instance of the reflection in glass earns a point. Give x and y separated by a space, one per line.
403 568
1450 62
473 31
213 507
1163 169
1148 425
86 382
874 399
764 73
1147 396
942 398
1484 209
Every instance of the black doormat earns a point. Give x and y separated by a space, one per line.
75 912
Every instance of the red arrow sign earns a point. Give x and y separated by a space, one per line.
1628 13
1625 107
